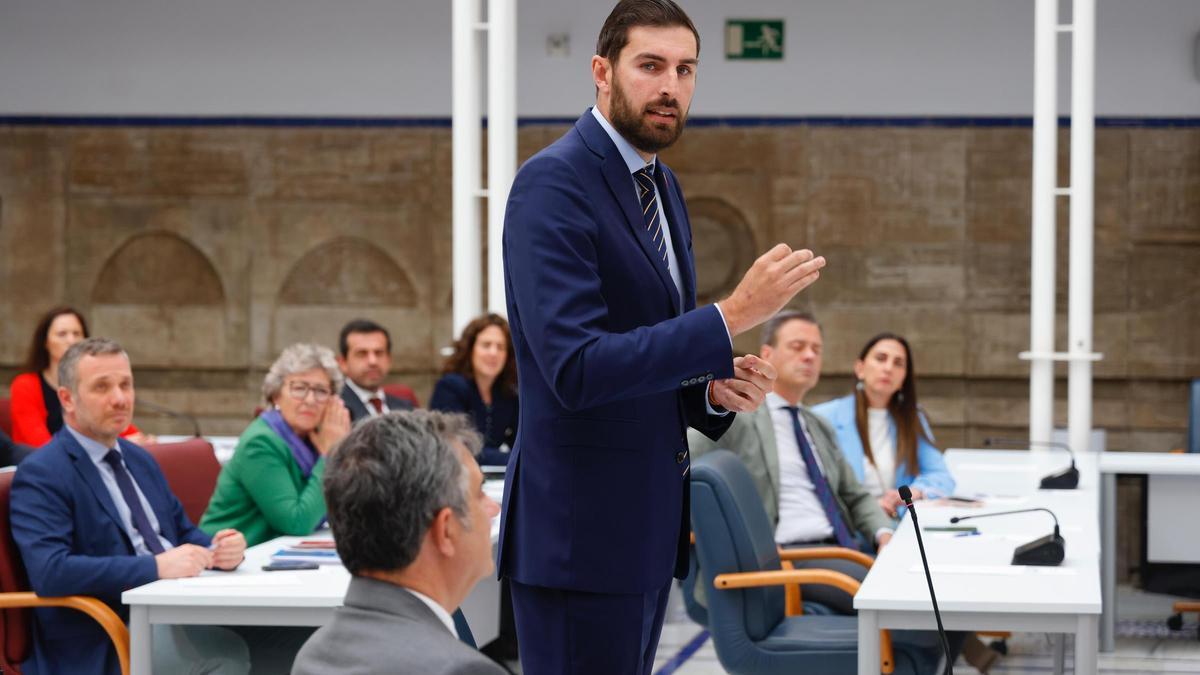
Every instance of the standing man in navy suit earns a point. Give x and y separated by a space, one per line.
92 515
615 360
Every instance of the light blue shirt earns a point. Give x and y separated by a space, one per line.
96 452
635 163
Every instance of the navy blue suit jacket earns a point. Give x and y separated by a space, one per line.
611 371
72 543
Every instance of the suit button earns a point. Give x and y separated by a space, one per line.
708 377
680 456
684 383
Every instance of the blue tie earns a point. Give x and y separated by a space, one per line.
821 485
648 196
136 512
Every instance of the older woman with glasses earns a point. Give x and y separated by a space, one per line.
272 485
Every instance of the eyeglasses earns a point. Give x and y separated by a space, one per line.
301 390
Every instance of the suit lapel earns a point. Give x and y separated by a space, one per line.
765 429
353 403
673 208
91 475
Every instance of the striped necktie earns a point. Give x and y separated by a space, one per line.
821 485
648 196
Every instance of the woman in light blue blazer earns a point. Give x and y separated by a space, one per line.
882 431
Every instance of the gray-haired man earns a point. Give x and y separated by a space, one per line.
413 526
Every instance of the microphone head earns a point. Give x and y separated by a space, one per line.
905 494
955 519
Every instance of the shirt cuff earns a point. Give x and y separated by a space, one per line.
882 531
726 323
708 403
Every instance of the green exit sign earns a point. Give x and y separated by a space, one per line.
754 39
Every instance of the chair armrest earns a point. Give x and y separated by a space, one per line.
828 577
817 552
112 624
781 577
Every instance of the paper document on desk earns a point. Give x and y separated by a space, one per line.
318 556
996 570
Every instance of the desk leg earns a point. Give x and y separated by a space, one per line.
1059 658
868 642
1086 656
140 649
1108 560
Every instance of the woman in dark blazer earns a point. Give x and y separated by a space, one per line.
480 379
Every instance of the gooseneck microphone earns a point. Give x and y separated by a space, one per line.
1064 480
1046 551
906 495
169 412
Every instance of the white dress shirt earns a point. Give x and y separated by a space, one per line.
437 609
366 396
883 447
96 452
801 516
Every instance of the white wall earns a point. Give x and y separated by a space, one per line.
392 58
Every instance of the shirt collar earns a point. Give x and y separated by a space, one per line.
777 402
628 153
94 449
437 609
364 395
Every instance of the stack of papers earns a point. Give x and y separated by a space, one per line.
321 551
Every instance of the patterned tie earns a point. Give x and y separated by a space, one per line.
821 485
377 403
648 196
140 522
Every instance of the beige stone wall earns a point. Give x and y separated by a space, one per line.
206 250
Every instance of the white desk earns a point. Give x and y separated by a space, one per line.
977 588
1153 464
250 597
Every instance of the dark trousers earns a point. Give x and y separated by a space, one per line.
562 631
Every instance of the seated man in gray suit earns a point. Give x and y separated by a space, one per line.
413 527
365 357
808 490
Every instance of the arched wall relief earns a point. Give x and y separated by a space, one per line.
723 245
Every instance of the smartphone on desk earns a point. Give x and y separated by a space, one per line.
288 565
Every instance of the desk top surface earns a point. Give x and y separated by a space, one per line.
973 573
1181 464
250 586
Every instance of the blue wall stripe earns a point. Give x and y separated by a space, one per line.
444 122
677 661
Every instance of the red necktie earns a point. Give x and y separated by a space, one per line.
378 404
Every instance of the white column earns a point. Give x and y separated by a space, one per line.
1042 255
467 265
1079 330
502 136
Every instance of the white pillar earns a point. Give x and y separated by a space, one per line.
502 136
466 262
1044 226
1079 331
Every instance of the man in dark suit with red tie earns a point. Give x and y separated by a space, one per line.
365 357
614 359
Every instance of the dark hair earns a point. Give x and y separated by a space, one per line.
614 35
771 328
361 326
460 361
902 407
39 357
388 480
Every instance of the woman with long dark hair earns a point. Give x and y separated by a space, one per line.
480 379
36 412
882 430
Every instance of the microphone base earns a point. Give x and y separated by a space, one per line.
1047 551
1066 480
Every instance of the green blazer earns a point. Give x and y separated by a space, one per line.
261 492
752 439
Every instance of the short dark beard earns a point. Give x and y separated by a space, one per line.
633 126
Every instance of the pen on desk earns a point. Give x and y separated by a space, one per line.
972 533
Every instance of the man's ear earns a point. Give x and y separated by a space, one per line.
443 532
601 73
65 400
765 352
